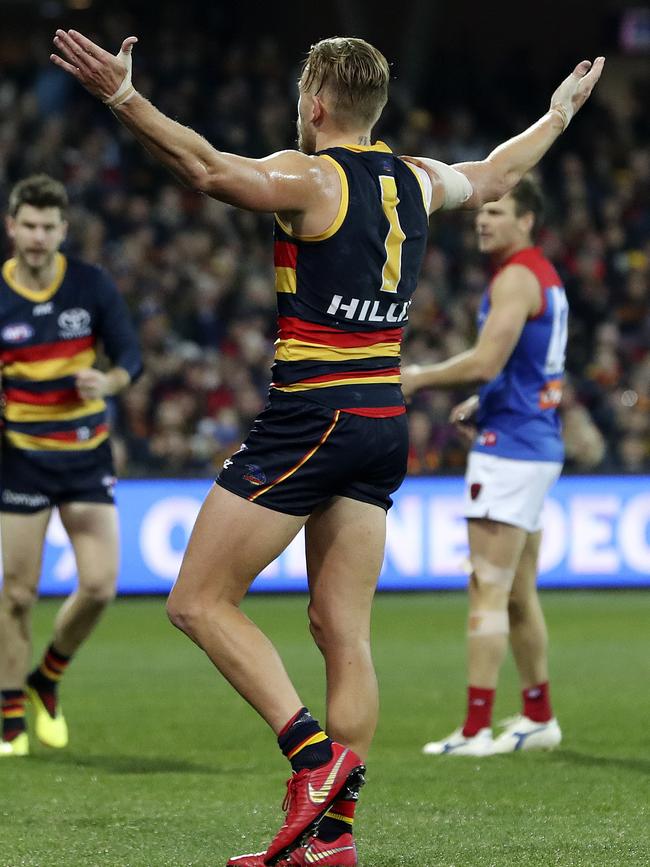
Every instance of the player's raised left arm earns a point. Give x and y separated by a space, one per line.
470 185
284 182
515 296
509 162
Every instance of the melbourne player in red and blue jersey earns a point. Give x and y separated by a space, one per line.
54 314
331 446
516 457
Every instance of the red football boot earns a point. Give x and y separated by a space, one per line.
247 860
338 853
310 793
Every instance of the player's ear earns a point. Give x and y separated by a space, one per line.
527 222
10 226
317 110
64 230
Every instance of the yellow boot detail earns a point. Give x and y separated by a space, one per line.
51 731
19 746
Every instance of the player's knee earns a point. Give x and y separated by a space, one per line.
184 612
490 583
316 627
99 591
17 598
519 606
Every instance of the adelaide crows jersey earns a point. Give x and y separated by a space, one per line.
518 413
46 338
343 296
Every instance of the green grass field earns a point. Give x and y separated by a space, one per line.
169 768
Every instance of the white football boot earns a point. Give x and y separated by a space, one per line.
481 744
522 733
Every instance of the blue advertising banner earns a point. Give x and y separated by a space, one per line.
596 533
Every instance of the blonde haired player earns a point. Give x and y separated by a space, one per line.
331 446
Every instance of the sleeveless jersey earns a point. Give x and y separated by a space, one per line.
518 414
343 296
46 338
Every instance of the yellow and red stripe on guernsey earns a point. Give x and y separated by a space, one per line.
350 357
42 408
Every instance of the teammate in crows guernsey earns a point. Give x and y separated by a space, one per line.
55 449
516 457
331 446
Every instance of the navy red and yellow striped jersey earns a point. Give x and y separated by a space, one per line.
46 338
343 296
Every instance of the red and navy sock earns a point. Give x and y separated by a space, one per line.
304 742
537 703
479 710
46 677
12 706
339 819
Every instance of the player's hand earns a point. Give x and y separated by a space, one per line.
576 88
92 384
409 379
460 417
101 73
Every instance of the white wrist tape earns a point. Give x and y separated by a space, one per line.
458 189
563 113
126 90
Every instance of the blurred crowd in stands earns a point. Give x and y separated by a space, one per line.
198 275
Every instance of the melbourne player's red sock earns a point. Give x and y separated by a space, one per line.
479 710
537 703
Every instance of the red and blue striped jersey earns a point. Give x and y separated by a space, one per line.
46 338
343 296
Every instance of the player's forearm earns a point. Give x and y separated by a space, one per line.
467 368
512 159
508 163
182 150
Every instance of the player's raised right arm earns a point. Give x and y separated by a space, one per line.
285 182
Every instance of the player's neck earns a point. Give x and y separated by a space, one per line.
35 278
338 138
502 255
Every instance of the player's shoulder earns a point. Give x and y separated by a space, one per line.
538 264
87 274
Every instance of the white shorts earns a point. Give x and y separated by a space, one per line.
509 491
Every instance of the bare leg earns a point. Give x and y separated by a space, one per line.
23 537
232 541
345 548
495 549
93 531
528 635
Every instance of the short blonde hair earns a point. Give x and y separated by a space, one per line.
356 75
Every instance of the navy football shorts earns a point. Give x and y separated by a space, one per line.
31 482
299 454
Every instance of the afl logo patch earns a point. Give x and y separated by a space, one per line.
17 333
74 322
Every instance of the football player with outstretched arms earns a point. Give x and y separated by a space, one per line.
331 446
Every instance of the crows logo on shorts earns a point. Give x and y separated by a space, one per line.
255 475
